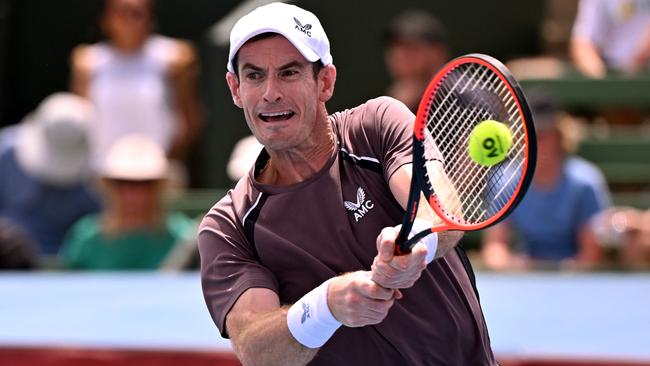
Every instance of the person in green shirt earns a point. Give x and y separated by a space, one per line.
134 232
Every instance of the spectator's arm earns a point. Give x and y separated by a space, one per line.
642 56
184 72
586 57
589 26
589 252
80 70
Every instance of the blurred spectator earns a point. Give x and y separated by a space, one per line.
416 47
43 185
628 230
636 253
139 81
611 35
17 251
8 137
243 157
134 231
553 218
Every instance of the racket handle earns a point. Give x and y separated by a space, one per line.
404 247
402 244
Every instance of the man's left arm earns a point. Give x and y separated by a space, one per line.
393 271
400 183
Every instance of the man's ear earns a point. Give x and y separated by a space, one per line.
233 85
326 81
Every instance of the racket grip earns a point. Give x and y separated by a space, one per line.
404 247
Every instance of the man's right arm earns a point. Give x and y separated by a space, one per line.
257 323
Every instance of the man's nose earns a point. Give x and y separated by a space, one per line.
272 91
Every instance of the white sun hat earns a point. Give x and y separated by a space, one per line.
135 157
52 143
301 27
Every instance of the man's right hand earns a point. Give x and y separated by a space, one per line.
356 300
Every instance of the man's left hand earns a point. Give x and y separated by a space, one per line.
391 271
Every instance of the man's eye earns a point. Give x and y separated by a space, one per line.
253 75
289 73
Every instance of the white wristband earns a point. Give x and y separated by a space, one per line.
310 320
431 240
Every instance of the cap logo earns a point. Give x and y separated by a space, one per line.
303 28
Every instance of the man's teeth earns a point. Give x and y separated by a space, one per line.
276 114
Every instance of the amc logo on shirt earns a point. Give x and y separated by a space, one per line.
361 207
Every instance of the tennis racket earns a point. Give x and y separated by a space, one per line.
464 193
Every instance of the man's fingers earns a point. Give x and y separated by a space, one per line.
386 244
373 291
419 253
412 260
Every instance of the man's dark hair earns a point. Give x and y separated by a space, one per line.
317 66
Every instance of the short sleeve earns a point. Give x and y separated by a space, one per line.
590 20
395 128
589 204
593 193
229 263
75 249
395 122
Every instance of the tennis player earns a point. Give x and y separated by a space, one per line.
297 260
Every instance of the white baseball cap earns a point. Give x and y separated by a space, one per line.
299 26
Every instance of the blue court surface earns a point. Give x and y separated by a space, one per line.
530 314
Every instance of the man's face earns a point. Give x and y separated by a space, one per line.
279 94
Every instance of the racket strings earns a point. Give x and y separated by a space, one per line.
466 96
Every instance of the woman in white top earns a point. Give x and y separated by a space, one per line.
139 81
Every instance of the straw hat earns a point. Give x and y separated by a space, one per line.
135 157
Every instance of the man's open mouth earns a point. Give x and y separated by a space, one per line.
276 116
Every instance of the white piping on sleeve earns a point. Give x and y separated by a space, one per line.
243 221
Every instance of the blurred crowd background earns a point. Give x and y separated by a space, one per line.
118 131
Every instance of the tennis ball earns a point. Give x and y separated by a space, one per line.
489 142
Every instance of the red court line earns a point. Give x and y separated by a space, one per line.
567 361
74 356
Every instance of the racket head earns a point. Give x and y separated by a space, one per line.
466 91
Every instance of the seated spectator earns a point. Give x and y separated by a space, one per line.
553 219
17 251
43 186
416 47
134 231
611 35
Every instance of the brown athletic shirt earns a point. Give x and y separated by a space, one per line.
292 238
